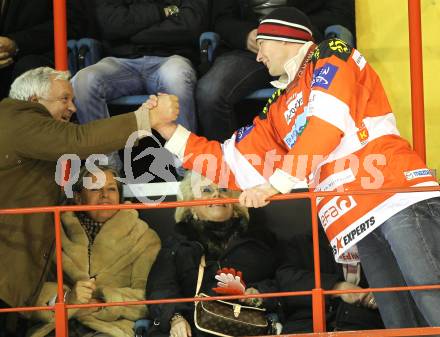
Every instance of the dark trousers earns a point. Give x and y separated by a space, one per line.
23 64
233 76
3 317
12 324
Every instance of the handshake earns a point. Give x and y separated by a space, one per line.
163 111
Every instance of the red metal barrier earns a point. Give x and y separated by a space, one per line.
60 34
416 67
317 293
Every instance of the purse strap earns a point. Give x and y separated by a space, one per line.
200 275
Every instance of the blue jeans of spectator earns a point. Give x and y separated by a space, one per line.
112 77
233 76
405 251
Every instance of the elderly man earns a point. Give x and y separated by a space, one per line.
330 127
34 133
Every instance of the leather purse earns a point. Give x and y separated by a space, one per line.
223 318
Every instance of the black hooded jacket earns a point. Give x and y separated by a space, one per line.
134 28
174 273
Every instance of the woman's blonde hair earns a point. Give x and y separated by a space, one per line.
187 192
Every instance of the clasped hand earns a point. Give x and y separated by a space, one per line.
163 111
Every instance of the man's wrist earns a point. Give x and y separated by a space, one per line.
172 10
175 317
12 47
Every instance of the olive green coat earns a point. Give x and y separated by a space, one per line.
31 142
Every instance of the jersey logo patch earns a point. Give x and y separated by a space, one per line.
359 59
243 132
297 129
363 134
293 106
420 173
323 77
339 46
332 47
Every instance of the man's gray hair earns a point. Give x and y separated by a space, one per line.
36 82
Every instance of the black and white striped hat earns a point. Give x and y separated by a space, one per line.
286 24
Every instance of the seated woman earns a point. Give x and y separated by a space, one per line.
107 255
356 311
223 234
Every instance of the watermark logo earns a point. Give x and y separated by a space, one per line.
159 167
215 168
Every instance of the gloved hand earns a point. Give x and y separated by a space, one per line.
230 282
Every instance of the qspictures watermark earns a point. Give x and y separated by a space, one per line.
346 169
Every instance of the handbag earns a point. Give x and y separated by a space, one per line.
223 318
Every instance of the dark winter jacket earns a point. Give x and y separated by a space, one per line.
297 274
30 24
174 273
134 28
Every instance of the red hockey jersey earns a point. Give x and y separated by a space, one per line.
332 128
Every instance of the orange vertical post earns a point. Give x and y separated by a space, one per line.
416 68
60 34
61 318
318 299
60 43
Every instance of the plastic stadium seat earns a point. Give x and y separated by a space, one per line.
340 32
83 53
141 327
208 44
72 52
89 52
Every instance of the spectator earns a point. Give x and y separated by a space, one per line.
343 312
107 255
34 133
235 72
224 235
330 127
153 47
26 37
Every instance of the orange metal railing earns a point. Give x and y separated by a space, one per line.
318 294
